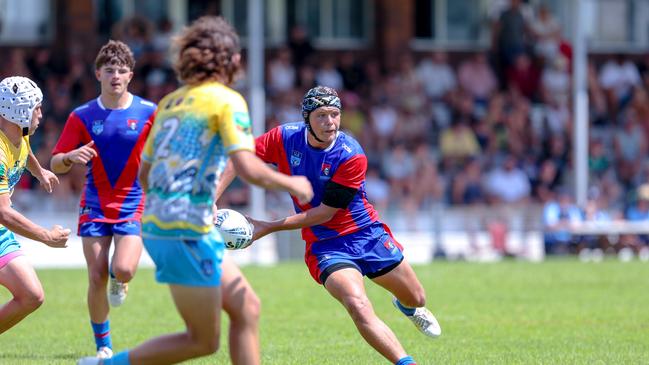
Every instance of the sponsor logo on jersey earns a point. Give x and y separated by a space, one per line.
296 158
242 120
97 126
347 148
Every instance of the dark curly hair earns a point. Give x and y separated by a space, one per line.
115 53
205 50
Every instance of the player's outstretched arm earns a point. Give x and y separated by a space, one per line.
225 179
254 171
62 162
310 217
46 177
18 223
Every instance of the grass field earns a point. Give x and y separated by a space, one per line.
557 312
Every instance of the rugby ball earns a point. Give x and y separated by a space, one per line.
234 228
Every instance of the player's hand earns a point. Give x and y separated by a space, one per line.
58 237
83 154
302 189
48 180
261 228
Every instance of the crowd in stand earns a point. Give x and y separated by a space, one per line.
489 127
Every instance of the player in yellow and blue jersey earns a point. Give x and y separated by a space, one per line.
196 129
20 114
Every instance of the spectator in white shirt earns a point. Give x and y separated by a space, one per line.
328 75
281 72
508 183
618 78
436 76
547 33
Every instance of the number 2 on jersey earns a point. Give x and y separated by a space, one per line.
171 125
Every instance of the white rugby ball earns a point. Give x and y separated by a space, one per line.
234 228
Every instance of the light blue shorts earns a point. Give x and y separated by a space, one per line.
187 262
9 247
8 243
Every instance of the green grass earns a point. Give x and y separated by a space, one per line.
557 312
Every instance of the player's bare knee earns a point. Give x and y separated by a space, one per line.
203 343
359 308
208 346
252 308
30 301
248 312
123 274
97 278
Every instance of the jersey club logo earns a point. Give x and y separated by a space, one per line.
326 169
389 245
296 158
132 124
97 126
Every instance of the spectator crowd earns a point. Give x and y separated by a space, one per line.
488 127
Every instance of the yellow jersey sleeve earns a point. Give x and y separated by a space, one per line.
147 151
234 125
4 173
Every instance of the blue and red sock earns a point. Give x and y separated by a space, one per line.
102 334
405 310
408 360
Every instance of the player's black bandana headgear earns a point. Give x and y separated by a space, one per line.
315 98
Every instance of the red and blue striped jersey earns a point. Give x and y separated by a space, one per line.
344 162
112 191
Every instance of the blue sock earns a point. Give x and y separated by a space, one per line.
119 359
102 334
405 310
406 361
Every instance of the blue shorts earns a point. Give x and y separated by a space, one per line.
372 250
187 262
9 247
102 229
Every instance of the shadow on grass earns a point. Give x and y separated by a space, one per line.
23 356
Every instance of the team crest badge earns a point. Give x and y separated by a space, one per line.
97 126
132 124
207 267
388 245
326 169
296 158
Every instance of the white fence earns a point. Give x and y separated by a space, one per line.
458 233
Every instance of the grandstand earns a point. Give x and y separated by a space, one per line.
465 108
507 145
